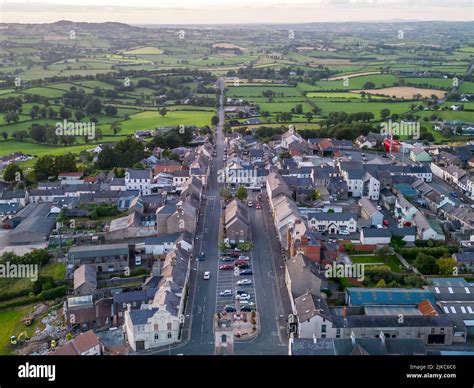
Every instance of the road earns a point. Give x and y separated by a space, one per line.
197 334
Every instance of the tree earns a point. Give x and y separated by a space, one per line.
368 85
214 120
94 106
163 112
384 113
446 266
381 284
110 110
241 193
116 127
309 116
299 109
5 135
13 173
79 115
426 264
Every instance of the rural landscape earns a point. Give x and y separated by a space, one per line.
249 189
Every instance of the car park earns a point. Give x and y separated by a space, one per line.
245 272
226 267
207 275
244 282
226 293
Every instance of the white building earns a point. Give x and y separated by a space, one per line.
138 180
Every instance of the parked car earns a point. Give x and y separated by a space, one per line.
249 203
244 282
229 309
240 262
243 266
258 206
246 272
407 223
207 275
201 257
344 232
244 258
454 194
226 267
227 259
386 223
247 309
240 292
243 297
226 293
247 303
379 226
234 254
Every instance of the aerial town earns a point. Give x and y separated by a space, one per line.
182 192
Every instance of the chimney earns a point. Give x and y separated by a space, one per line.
382 337
353 338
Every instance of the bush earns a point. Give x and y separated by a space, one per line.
53 293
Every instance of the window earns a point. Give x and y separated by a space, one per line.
323 328
170 335
157 337
170 326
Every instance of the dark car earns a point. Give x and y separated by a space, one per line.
245 272
240 292
229 309
243 266
201 257
234 254
226 267
227 259
247 309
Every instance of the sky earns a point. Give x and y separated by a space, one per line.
232 11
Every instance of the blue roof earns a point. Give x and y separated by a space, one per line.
387 296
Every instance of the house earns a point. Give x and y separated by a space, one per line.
276 186
290 137
375 236
369 212
105 258
133 300
236 222
71 178
138 180
160 245
85 312
456 300
14 196
302 275
337 188
305 241
32 224
418 154
465 260
427 229
85 344
179 178
285 214
381 346
404 209
85 280
332 223
118 184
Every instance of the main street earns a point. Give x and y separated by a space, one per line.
197 334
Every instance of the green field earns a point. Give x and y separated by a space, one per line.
356 106
144 50
380 81
435 83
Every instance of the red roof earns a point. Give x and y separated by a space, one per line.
90 179
77 174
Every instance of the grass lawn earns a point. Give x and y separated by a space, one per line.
10 322
151 120
56 270
390 261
